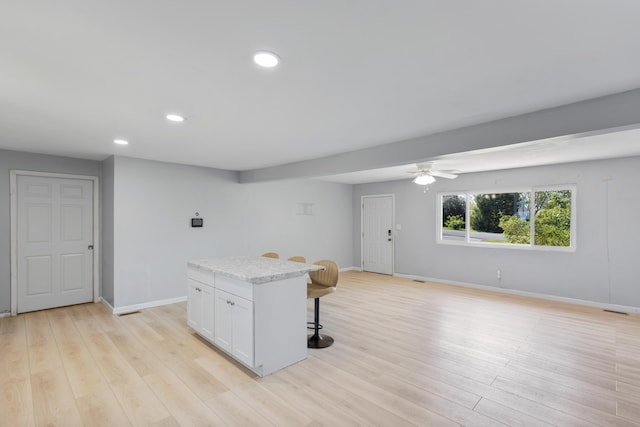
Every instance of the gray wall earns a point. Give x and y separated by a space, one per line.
153 204
146 207
146 236
152 238
277 224
31 162
601 270
106 282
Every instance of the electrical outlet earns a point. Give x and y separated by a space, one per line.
499 274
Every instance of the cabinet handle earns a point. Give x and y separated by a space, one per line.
233 303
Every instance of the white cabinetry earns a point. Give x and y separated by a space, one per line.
262 325
201 308
234 325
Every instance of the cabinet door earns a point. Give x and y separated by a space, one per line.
207 312
222 322
194 305
242 330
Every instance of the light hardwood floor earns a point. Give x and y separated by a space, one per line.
406 354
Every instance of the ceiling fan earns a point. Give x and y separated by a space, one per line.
426 174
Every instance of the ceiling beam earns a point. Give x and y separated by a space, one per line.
612 111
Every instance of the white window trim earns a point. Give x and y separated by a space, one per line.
509 246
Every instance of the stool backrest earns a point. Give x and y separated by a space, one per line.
327 277
270 255
298 259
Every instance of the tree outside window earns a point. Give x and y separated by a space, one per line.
454 224
552 222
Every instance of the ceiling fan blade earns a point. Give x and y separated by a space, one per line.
443 174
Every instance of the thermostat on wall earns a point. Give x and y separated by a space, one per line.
196 222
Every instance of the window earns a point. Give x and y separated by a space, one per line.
509 219
454 217
552 221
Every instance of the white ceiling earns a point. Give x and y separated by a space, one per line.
75 74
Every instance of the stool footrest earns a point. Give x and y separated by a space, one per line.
312 326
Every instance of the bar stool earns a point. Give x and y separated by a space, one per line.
322 282
270 255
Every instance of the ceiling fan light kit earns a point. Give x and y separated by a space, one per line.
426 173
424 179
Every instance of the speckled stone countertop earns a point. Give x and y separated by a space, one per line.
254 269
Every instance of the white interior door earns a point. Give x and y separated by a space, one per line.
377 234
54 242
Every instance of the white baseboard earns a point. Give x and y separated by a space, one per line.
106 304
604 306
349 269
6 314
135 307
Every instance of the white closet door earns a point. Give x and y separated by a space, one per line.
54 242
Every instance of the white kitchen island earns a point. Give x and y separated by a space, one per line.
252 308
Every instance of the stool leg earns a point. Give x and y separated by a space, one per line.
316 316
316 340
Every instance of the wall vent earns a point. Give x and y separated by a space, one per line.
131 312
616 312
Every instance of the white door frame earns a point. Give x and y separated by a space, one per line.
393 223
13 179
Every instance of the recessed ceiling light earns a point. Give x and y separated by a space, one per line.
175 118
120 141
266 59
